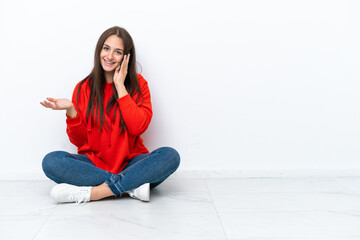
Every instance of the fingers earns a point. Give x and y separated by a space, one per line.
48 104
125 62
51 99
121 70
127 58
121 64
45 103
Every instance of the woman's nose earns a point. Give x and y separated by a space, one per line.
110 55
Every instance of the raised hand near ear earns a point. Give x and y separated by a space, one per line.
121 71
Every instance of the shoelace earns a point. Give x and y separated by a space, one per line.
80 196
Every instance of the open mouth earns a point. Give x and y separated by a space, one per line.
109 63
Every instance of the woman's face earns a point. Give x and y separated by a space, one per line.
112 53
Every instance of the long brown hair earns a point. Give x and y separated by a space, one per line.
97 81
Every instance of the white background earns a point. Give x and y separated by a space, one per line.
236 85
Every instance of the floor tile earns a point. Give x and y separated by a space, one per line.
26 205
247 208
301 238
183 185
26 188
273 185
238 202
133 226
171 202
350 183
289 225
20 227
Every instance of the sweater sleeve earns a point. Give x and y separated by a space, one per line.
137 117
76 129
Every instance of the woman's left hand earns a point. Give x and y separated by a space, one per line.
121 71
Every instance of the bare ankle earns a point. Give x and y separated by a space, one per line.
100 192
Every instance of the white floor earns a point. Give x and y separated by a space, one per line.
247 208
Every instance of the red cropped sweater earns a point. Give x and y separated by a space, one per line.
108 149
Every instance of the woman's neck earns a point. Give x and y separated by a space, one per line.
109 77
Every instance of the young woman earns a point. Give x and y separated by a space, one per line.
109 111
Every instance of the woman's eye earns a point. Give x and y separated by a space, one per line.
119 53
105 48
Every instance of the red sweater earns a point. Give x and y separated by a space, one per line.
108 149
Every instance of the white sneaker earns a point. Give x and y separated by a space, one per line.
142 193
69 193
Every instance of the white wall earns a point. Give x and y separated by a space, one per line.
236 85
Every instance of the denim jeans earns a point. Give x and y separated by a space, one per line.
77 169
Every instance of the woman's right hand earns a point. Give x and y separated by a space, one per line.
57 104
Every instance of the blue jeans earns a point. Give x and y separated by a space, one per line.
77 169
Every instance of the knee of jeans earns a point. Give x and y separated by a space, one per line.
50 161
173 157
